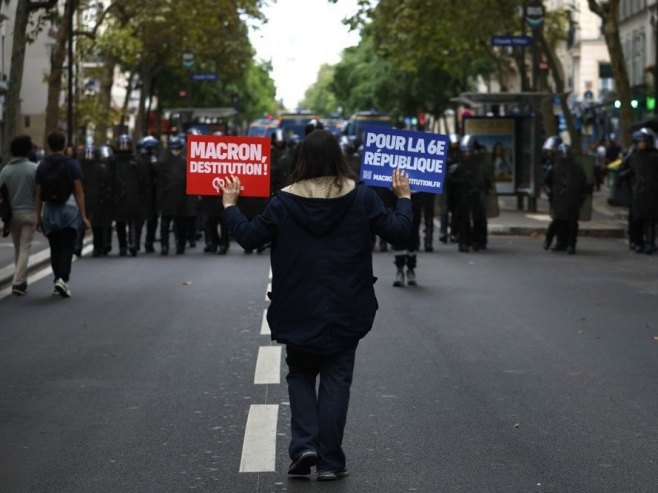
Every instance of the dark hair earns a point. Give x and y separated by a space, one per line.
21 146
56 141
319 154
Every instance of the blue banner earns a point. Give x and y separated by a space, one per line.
422 156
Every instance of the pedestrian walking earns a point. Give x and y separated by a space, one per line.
18 177
323 298
60 208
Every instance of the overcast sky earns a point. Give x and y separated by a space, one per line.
298 48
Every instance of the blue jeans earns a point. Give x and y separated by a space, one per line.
318 418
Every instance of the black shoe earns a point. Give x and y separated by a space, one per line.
164 251
248 251
453 238
180 250
123 252
19 289
546 244
302 464
95 253
651 250
149 249
559 248
476 247
464 248
429 248
260 250
222 250
399 279
443 238
210 248
571 250
332 476
133 252
78 252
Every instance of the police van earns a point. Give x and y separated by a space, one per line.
356 125
294 124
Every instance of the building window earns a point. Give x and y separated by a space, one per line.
27 121
606 79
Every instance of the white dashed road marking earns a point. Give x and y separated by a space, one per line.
268 365
259 446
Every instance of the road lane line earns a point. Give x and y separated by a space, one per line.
268 290
268 365
264 326
40 274
259 446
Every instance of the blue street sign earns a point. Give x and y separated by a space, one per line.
511 40
210 76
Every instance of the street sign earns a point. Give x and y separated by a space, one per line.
511 41
188 60
534 13
209 76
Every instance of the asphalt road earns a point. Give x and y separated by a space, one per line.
512 370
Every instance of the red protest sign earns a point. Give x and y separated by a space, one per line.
213 158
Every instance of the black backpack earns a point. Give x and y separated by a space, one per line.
56 181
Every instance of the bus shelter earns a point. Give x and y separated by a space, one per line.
509 125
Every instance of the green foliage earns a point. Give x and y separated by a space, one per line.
319 98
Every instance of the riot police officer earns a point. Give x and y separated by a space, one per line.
132 195
174 203
99 190
566 186
472 183
148 149
641 169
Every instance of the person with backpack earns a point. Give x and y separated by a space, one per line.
60 208
18 178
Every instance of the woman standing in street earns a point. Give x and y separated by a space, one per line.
323 299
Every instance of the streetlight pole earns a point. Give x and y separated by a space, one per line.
69 106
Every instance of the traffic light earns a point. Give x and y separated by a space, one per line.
651 103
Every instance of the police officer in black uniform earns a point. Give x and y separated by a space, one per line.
148 149
566 186
641 169
471 183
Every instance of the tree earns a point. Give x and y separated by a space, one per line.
20 40
608 11
318 97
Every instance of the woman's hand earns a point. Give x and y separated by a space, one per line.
230 191
401 184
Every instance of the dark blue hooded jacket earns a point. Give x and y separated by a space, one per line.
323 298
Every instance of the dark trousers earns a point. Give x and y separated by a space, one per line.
213 237
472 220
318 418
62 244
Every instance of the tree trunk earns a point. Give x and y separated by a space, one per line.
126 100
557 71
146 77
105 100
13 98
56 70
609 13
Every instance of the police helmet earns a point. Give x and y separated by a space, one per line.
124 143
454 139
218 133
277 137
314 124
564 150
104 152
193 131
469 143
552 143
176 142
147 144
645 135
90 152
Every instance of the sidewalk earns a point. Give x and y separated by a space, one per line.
607 222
